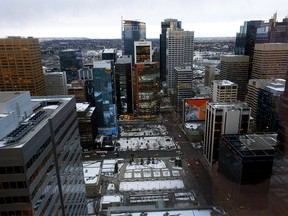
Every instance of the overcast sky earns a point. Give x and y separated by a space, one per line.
102 18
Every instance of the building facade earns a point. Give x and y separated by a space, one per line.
183 85
270 61
105 97
235 68
269 98
179 52
56 83
223 91
21 66
132 31
247 159
172 24
109 54
142 51
41 172
124 85
147 89
223 118
71 61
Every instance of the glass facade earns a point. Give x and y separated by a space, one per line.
71 62
105 97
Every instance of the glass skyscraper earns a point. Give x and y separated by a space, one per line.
105 97
132 31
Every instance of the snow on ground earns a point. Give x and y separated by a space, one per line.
196 212
151 185
159 164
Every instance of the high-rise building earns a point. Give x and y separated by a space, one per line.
211 73
147 89
105 97
223 91
132 31
172 24
235 68
70 62
41 172
245 41
78 89
109 54
180 46
21 66
267 118
253 89
56 83
142 51
273 31
183 85
270 61
124 85
223 118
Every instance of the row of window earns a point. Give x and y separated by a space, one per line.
13 200
16 213
11 170
13 185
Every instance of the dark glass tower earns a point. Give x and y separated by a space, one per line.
167 24
71 62
132 31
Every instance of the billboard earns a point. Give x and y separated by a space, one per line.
194 109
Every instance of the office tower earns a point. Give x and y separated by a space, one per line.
21 66
124 85
132 31
109 54
147 89
245 41
155 54
78 89
180 45
268 104
71 62
105 97
223 118
87 125
270 61
142 51
211 73
223 91
172 24
247 158
273 31
85 73
183 85
40 159
235 68
253 89
56 83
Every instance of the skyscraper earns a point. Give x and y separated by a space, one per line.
147 88
21 67
183 85
41 172
245 40
270 61
124 85
235 68
132 31
105 97
223 118
56 83
70 62
109 54
172 24
180 46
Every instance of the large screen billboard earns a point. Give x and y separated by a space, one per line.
194 109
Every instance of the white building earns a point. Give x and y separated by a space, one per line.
223 91
223 118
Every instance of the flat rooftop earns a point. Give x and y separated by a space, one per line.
8 96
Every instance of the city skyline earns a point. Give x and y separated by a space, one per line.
95 19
